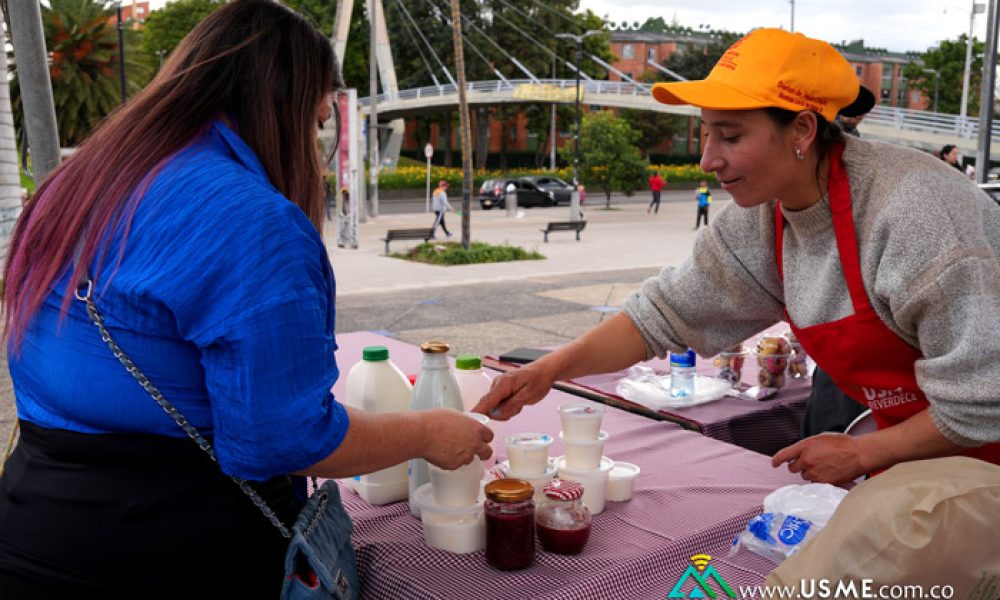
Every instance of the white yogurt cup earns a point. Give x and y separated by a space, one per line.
458 530
537 481
584 454
621 481
581 421
457 487
594 481
484 420
479 417
528 453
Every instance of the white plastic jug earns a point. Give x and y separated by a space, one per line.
436 387
376 385
472 381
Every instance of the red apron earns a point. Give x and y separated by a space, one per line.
865 358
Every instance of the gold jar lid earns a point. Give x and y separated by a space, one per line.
509 490
434 347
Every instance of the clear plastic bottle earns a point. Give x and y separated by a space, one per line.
376 385
436 387
682 374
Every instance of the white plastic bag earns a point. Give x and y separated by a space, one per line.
645 386
792 516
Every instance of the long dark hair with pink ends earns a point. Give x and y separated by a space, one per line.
253 62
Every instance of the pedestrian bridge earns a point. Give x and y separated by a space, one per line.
920 129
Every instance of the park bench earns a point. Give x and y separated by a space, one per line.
576 226
425 233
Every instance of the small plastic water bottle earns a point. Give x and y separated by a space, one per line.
682 374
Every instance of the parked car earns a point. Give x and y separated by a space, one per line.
493 193
562 191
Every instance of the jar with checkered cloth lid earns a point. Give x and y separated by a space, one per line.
562 521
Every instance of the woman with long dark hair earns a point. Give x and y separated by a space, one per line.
191 220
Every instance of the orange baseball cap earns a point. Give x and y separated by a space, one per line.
775 68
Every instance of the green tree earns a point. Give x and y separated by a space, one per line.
609 158
163 29
653 127
948 59
82 41
355 66
695 61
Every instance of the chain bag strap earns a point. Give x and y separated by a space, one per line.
320 562
83 293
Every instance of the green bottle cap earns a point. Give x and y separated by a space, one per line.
468 362
375 353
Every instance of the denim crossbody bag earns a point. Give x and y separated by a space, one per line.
320 563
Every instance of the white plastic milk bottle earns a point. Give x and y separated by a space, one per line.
376 385
436 387
473 383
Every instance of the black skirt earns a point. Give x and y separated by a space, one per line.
133 516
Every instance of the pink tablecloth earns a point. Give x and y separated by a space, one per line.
693 496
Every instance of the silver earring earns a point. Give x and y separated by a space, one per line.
799 155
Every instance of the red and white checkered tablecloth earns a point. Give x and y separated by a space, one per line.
693 496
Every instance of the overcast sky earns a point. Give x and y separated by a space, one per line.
899 25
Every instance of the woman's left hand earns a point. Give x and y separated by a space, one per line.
825 458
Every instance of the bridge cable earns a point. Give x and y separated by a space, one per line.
475 49
429 46
575 24
592 57
416 44
547 50
516 62
663 69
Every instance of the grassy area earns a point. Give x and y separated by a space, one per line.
452 253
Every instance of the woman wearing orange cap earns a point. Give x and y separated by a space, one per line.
882 259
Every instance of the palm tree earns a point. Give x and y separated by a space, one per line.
82 41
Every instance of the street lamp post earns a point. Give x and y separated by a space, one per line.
976 8
121 48
792 27
574 205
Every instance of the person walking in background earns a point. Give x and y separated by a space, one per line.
704 197
656 184
949 154
440 204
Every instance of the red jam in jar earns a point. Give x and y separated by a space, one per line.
563 521
510 524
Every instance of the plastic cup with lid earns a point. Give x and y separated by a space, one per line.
621 481
538 482
455 529
594 481
457 487
584 454
580 421
528 453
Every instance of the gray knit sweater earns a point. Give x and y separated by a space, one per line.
929 247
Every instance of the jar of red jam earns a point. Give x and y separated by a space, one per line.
562 521
510 524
